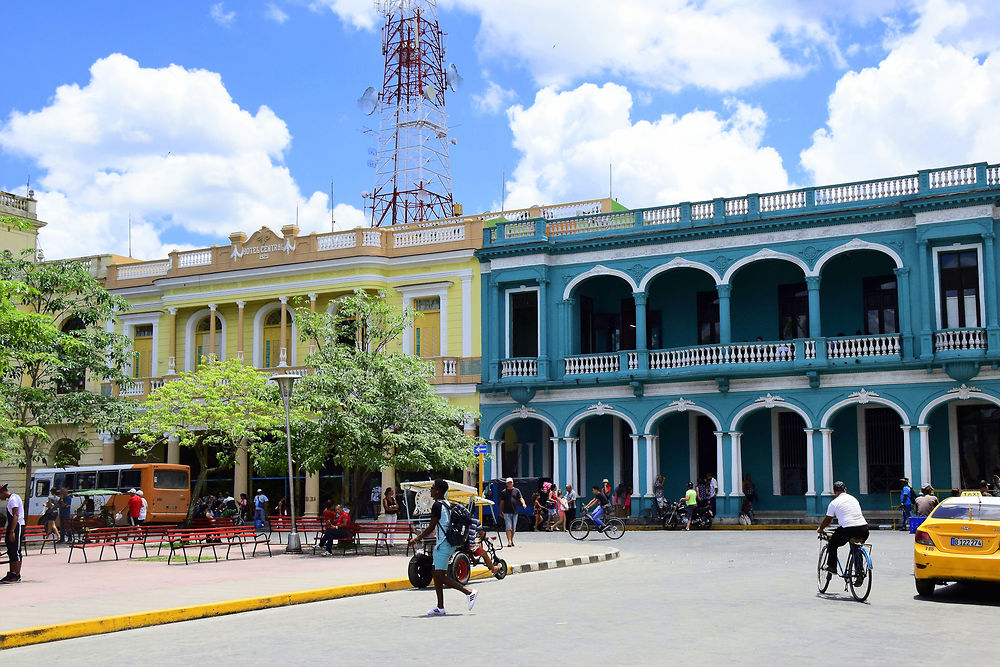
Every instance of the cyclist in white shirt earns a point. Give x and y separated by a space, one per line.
850 521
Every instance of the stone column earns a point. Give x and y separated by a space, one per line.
241 470
925 455
827 434
651 469
720 465
108 449
520 462
312 309
736 487
239 330
557 462
990 295
171 341
496 462
531 459
283 342
903 306
640 320
923 449
173 450
211 333
543 329
636 487
572 456
810 464
311 501
812 283
725 326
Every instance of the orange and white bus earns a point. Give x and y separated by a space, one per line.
165 486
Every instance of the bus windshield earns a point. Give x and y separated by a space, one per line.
170 479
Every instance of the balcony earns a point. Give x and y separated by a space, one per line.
959 340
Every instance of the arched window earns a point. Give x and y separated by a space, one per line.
272 337
203 340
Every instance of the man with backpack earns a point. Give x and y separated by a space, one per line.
450 525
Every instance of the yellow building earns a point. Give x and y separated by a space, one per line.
17 240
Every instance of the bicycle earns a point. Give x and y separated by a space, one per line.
856 572
612 528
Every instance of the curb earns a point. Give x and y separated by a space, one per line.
721 526
97 626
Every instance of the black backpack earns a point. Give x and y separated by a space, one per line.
460 521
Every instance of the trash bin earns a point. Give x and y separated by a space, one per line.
915 521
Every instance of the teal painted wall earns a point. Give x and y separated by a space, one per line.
940 446
756 429
842 290
845 449
754 299
600 452
674 455
675 295
607 293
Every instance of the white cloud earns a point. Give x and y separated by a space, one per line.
275 13
493 99
932 101
221 16
168 146
567 140
359 14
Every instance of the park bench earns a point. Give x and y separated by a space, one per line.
129 536
303 524
205 522
372 533
182 539
38 535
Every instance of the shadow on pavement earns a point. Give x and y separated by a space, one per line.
982 593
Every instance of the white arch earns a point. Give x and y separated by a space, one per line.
854 401
586 414
189 336
258 333
762 254
953 396
856 244
679 263
676 408
517 416
776 403
598 270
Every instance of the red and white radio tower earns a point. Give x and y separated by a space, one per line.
412 172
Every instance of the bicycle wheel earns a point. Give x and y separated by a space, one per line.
859 579
822 576
615 529
579 529
502 570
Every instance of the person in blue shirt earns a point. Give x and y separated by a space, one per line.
906 503
259 515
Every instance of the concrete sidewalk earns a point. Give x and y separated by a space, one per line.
54 591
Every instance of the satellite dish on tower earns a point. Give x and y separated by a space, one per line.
454 78
430 93
368 101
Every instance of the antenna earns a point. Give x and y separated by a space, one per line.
333 220
27 188
130 234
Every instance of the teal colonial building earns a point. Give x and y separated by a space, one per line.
796 338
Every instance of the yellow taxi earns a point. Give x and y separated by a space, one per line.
959 541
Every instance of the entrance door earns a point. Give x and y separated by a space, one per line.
884 447
705 430
142 351
427 328
203 340
792 455
272 337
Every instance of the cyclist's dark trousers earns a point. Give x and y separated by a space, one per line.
840 537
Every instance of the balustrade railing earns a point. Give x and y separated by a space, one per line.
142 270
661 216
525 367
371 238
702 211
862 346
855 192
711 355
952 177
429 236
194 258
738 206
782 201
336 241
948 340
593 223
592 364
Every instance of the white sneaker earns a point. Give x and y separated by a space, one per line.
472 598
326 553
436 612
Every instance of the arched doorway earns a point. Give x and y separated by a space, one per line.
604 316
203 340
526 449
769 302
963 442
868 452
687 450
775 456
605 451
274 352
682 309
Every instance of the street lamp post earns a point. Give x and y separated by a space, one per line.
285 382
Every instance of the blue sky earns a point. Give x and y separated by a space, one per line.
203 118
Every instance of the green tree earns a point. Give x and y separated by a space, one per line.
372 407
44 362
214 410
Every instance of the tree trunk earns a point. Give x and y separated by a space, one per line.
357 488
199 485
29 454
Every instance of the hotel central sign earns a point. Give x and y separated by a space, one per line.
263 243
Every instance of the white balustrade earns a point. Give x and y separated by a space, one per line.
371 238
568 210
13 201
960 339
993 176
782 201
133 388
702 211
518 368
156 383
194 258
855 192
738 206
592 364
862 346
623 220
143 270
809 349
336 241
432 236
664 215
518 230
712 355
633 361
950 178
449 367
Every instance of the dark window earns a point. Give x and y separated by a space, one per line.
130 479
880 305
64 480
524 324
587 331
627 341
793 311
654 329
41 488
792 456
707 447
107 479
87 480
170 479
884 444
978 443
708 318
959 276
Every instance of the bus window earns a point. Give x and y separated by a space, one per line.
107 479
170 479
65 480
130 479
41 488
87 480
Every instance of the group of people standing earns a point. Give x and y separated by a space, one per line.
553 507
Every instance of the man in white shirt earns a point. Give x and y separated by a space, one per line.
142 510
851 523
14 533
713 491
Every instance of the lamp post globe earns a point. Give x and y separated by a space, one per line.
285 384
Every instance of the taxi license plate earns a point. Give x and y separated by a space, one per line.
966 542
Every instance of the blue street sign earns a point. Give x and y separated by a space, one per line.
480 449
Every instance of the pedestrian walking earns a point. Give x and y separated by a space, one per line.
661 502
65 516
390 510
690 500
51 517
375 501
259 505
560 522
713 491
540 512
570 499
443 550
906 503
510 499
14 534
134 505
143 509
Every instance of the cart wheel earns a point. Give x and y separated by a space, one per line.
460 567
501 570
420 570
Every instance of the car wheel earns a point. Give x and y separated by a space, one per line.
925 587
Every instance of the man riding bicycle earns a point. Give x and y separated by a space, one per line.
601 500
850 521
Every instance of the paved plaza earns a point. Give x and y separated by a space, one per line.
743 597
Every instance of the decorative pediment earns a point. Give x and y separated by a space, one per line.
523 411
263 242
263 236
769 401
964 391
599 408
863 396
681 404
